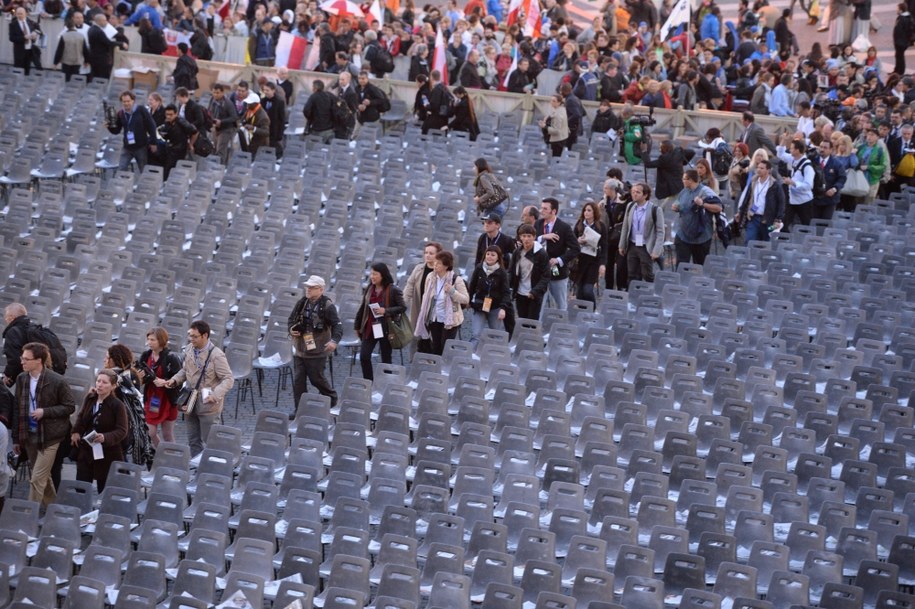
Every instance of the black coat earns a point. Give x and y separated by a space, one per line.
670 173
193 113
101 49
15 336
540 274
224 112
185 73
775 203
566 247
464 119
495 286
396 308
519 80
167 366
374 96
276 112
438 97
319 111
141 124
418 66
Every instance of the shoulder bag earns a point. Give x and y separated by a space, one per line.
400 330
187 399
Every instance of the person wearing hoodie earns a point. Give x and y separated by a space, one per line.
529 276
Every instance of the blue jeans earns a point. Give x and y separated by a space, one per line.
483 320
756 230
128 154
557 296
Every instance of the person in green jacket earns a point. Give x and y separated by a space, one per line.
632 136
873 162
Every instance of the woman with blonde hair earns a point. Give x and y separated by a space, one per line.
845 155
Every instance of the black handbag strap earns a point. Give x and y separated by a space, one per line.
203 370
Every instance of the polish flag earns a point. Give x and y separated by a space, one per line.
223 10
532 10
438 61
290 51
514 8
377 12
314 54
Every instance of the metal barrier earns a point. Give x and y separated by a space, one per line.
673 123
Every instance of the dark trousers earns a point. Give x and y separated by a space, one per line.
756 230
900 60
528 308
557 147
310 369
26 58
823 212
691 252
798 214
69 71
639 264
365 354
617 269
439 335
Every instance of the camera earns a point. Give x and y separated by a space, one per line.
141 366
644 121
744 163
111 115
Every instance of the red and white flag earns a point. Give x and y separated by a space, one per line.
290 51
224 10
172 39
377 12
439 61
514 10
314 54
531 22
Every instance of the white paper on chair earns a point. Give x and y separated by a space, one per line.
274 361
237 601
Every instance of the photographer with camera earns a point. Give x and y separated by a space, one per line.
316 330
634 135
138 127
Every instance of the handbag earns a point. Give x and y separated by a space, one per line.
856 184
400 330
187 398
204 146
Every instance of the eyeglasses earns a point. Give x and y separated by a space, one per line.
28 359
193 336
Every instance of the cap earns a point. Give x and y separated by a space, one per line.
492 217
583 64
253 98
288 15
832 64
315 282
276 20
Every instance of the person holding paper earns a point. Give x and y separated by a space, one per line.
206 369
382 301
592 235
490 296
100 430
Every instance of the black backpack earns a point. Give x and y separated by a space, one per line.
37 333
382 61
721 159
819 178
384 104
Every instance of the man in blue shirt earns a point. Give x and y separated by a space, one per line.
780 102
148 9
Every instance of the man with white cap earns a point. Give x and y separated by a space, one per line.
316 330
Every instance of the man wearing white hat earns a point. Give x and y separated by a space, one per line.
315 329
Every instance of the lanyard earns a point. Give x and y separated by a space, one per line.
761 187
491 242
